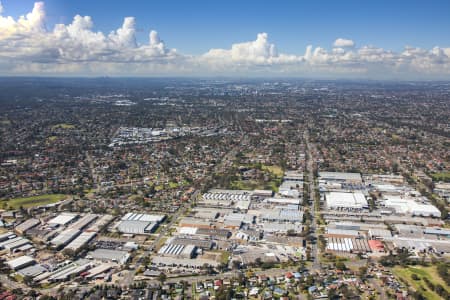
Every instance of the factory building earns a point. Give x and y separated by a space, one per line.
63 219
283 216
80 241
20 262
342 177
214 233
136 227
205 244
409 206
182 251
109 255
346 201
64 238
133 223
283 201
143 217
16 244
23 227
194 222
7 236
273 227
100 223
437 231
235 220
83 222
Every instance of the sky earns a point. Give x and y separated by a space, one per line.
332 39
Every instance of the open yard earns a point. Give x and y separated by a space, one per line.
274 173
405 274
64 126
442 176
27 202
276 170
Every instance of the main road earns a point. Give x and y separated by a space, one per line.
312 196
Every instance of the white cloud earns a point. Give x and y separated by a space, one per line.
32 22
126 35
259 52
343 43
28 47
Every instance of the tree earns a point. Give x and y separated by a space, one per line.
291 232
362 272
340 265
69 252
258 261
162 277
28 280
236 264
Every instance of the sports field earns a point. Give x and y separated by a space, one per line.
27 202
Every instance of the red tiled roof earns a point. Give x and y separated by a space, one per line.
376 245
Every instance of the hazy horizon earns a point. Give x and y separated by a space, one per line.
349 40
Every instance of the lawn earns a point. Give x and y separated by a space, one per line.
220 255
419 285
276 170
27 202
64 126
245 185
275 174
173 185
225 257
442 176
159 187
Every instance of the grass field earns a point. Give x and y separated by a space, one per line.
442 176
173 185
405 273
225 257
276 170
27 202
245 185
63 126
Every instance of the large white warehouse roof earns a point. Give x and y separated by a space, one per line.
355 200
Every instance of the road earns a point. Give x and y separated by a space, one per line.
228 275
380 290
95 181
312 188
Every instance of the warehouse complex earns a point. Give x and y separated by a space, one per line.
134 223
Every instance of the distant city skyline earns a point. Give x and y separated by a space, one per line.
327 39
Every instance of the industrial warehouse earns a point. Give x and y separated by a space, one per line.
134 223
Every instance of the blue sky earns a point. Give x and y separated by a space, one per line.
394 39
196 26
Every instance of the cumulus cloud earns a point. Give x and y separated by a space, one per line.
28 46
27 42
32 22
257 52
343 43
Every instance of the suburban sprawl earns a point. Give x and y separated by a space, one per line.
224 189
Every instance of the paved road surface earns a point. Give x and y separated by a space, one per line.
312 189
